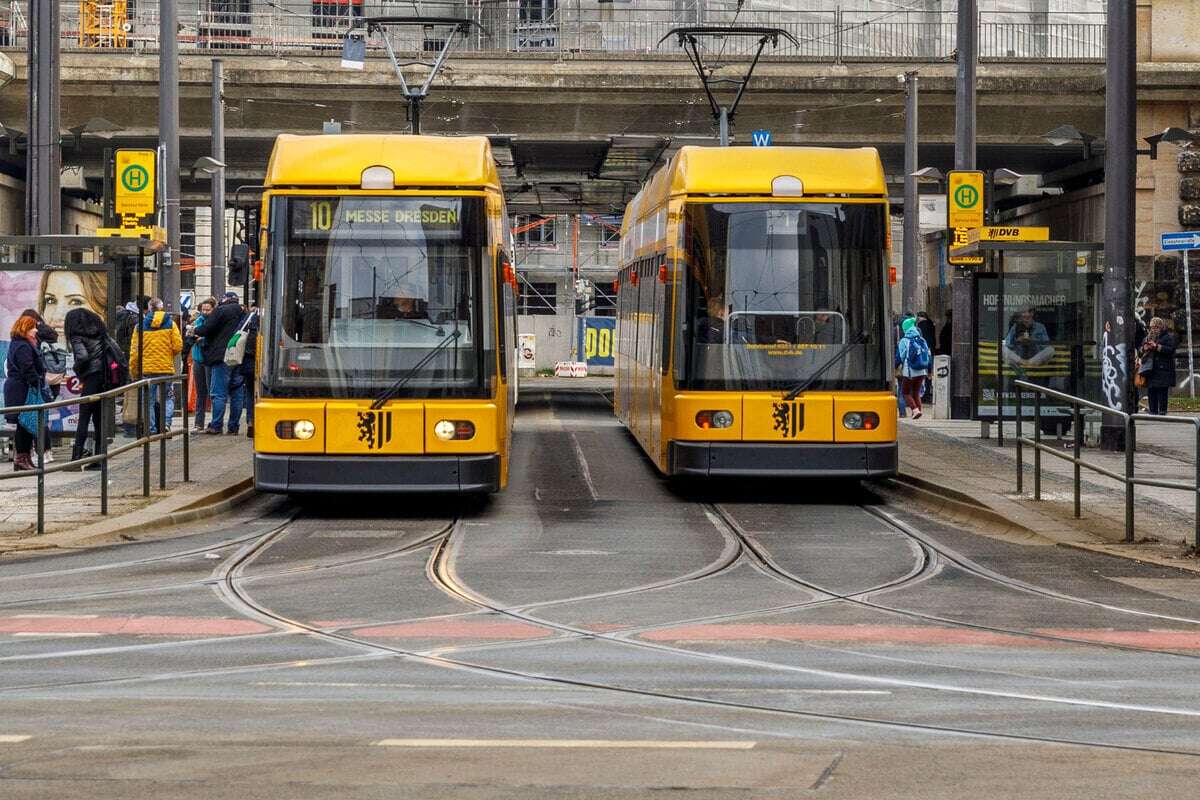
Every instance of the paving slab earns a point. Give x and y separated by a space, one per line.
221 475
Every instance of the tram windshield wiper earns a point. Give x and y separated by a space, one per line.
411 371
858 339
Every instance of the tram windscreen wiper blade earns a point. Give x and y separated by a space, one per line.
811 379
411 371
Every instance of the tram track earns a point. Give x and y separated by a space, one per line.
934 551
232 575
247 604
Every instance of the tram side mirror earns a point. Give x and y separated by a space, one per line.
239 264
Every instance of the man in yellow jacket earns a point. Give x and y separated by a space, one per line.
161 343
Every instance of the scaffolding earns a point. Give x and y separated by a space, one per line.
103 23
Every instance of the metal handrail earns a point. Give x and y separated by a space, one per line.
144 441
1128 478
824 32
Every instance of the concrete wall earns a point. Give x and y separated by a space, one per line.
1168 30
558 264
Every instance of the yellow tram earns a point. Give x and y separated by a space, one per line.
387 361
753 334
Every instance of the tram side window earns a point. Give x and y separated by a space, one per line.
502 344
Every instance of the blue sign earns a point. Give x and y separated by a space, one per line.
596 340
761 138
1185 240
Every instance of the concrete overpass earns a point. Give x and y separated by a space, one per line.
574 132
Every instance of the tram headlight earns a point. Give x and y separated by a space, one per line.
295 429
860 420
714 419
450 429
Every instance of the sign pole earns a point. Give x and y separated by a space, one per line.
1187 300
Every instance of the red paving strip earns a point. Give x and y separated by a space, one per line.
133 626
455 629
919 635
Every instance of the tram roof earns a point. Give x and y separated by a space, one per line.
339 160
751 171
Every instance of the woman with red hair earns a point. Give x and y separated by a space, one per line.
26 376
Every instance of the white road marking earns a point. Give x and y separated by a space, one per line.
53 616
638 744
58 634
583 467
13 738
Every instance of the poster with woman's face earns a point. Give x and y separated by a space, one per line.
52 294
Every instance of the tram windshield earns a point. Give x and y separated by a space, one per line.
781 293
370 290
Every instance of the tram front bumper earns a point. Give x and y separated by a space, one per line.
799 459
378 474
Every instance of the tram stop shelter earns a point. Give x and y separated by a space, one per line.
55 274
1036 311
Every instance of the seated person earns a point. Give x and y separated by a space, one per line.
1027 343
710 325
402 307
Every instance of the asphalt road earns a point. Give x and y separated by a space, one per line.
595 631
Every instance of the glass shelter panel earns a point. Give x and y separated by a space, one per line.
1045 332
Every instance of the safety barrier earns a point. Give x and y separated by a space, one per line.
1128 477
832 34
107 399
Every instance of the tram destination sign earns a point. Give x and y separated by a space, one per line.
382 218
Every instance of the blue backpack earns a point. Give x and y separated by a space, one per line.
918 356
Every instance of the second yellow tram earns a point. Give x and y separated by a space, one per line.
388 350
753 334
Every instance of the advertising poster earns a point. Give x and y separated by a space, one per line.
1049 338
527 359
596 340
52 294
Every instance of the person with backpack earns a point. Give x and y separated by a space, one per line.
54 359
201 373
241 376
88 337
161 343
25 385
913 358
219 328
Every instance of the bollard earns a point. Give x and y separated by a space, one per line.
187 426
1037 445
1130 446
144 408
1196 520
164 425
102 449
1077 417
41 473
1020 437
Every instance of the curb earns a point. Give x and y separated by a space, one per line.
961 505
